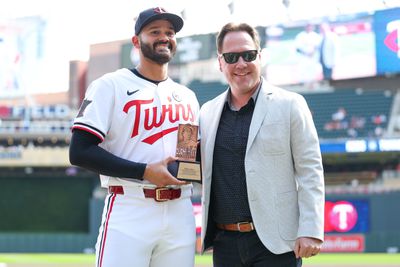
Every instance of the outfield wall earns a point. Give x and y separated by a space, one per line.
380 230
80 234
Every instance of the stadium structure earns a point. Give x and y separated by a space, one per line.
47 205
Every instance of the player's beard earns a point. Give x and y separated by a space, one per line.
149 51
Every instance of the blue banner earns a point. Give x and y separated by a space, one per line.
387 42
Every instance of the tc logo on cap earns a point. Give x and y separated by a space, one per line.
159 10
149 15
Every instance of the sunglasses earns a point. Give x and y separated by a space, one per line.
233 57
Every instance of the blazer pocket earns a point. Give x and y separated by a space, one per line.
273 137
288 214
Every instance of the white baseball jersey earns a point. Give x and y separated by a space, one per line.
136 119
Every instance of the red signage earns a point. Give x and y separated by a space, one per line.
345 216
343 243
342 216
197 216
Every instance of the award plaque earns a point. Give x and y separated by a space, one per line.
186 167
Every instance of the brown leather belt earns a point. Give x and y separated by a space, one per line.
159 194
238 227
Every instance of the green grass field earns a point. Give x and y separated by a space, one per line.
206 260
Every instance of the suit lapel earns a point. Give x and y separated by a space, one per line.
217 110
259 113
212 125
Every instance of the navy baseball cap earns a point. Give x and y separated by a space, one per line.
152 14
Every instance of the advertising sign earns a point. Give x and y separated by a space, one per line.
343 243
387 31
299 54
347 216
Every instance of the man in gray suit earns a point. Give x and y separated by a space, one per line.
263 185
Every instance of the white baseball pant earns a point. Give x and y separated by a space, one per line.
140 232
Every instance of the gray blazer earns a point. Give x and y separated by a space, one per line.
284 173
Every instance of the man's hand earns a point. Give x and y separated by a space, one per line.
307 247
158 174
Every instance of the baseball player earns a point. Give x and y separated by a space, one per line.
126 130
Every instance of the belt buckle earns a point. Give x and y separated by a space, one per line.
158 197
243 223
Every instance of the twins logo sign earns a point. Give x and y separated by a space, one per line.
347 216
392 39
387 41
343 216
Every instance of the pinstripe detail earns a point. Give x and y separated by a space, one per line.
105 228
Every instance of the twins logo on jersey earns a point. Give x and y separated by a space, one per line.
172 112
148 116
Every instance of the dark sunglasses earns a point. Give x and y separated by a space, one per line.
233 57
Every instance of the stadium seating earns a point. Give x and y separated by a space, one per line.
366 112
350 178
206 91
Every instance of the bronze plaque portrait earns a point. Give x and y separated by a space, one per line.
186 167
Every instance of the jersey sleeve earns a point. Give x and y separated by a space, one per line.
95 113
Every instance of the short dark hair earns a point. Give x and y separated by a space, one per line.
237 27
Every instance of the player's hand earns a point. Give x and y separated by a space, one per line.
307 247
158 174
